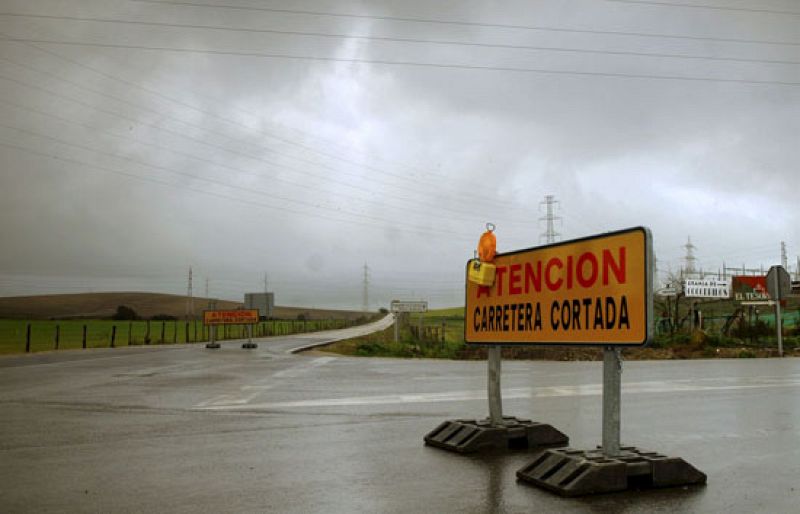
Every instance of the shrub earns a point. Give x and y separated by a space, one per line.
125 313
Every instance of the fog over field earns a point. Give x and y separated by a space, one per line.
303 139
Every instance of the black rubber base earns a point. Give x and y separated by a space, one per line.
212 345
571 472
249 346
471 436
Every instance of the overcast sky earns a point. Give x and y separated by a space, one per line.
140 138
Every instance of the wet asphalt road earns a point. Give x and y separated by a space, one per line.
186 429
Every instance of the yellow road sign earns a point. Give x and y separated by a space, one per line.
593 291
233 317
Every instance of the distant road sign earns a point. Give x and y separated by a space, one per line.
706 288
667 291
235 317
593 291
409 306
779 283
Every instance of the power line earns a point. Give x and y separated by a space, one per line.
461 22
366 289
182 135
304 186
415 190
468 67
204 179
706 6
227 107
238 200
402 39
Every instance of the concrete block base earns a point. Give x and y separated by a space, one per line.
249 346
213 346
471 436
571 472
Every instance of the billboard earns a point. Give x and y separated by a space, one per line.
593 291
749 288
706 288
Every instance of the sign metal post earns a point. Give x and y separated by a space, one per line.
779 286
493 386
612 389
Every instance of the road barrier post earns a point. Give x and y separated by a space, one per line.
493 385
612 384
249 344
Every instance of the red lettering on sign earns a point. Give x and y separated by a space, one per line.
583 280
501 270
551 284
617 267
514 276
533 277
569 272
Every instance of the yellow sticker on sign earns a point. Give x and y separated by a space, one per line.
592 291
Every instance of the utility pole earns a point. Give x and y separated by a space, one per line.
550 218
690 258
784 257
366 288
189 298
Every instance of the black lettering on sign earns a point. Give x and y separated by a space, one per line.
537 324
611 312
598 314
623 313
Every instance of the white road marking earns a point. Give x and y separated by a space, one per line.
510 394
302 369
249 392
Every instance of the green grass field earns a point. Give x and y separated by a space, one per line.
43 334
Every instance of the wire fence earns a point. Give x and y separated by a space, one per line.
18 336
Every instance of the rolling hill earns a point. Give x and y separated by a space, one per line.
104 305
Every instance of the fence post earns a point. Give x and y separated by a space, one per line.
175 332
28 339
163 327
83 338
187 333
147 333
113 335
58 334
130 332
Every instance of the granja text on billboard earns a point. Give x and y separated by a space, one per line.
592 291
